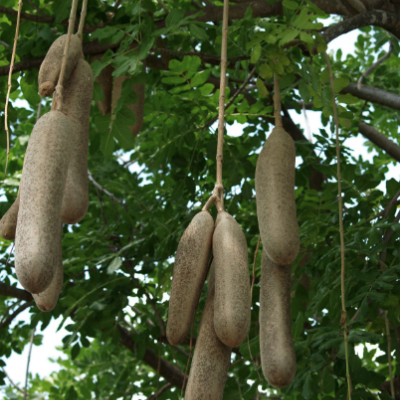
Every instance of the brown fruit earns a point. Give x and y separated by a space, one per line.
232 281
210 362
8 223
190 271
105 81
51 66
137 108
39 218
76 105
278 359
47 300
276 207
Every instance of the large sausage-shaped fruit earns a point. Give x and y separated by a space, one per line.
105 81
38 226
47 300
232 281
278 359
210 362
8 222
76 105
137 108
190 271
276 207
51 66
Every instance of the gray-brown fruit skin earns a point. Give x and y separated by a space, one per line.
232 282
276 207
105 80
51 66
137 108
190 271
210 362
39 217
47 300
8 223
76 105
278 359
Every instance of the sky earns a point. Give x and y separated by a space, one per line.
52 339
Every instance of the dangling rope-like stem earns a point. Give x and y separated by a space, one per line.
219 189
58 98
82 19
277 103
343 318
9 84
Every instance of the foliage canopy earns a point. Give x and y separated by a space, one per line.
144 190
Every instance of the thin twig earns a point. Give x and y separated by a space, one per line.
210 201
58 98
391 203
221 112
158 316
28 362
82 19
12 382
375 65
163 6
389 351
15 314
341 230
160 392
10 85
36 8
198 54
109 194
277 103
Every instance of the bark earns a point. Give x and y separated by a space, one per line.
384 19
380 140
166 369
374 95
11 291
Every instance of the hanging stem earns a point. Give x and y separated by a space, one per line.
9 84
58 98
341 231
27 364
82 19
389 350
221 113
277 103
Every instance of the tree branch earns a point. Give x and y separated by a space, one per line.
380 140
373 95
383 19
11 291
15 314
168 371
159 392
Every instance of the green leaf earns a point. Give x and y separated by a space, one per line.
206 89
340 83
173 80
200 78
174 18
262 89
348 99
75 351
198 32
114 265
255 54
266 71
290 5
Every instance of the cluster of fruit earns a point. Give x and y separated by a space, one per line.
227 314
54 183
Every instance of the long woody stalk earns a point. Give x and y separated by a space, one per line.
58 99
9 83
341 230
221 112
